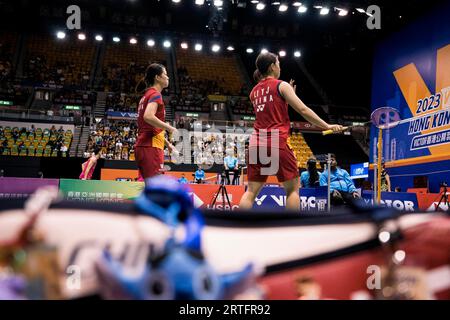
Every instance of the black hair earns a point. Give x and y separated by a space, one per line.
97 150
311 165
153 70
263 62
257 76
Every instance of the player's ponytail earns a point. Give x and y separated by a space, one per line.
257 76
141 86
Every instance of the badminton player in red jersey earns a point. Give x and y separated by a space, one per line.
270 99
149 149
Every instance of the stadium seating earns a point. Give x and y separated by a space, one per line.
122 102
59 62
300 148
23 142
124 65
215 67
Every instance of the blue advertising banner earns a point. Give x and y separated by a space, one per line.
122 115
311 199
402 201
360 170
411 73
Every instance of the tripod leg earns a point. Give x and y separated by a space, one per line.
215 198
228 199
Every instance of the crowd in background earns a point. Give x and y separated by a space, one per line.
23 137
122 102
116 139
62 73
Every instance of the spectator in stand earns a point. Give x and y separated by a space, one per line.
311 177
63 149
385 179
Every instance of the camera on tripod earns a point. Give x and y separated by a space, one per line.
444 198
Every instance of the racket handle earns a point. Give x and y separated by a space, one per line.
327 132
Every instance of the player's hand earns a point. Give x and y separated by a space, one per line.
335 127
172 148
356 195
292 84
172 130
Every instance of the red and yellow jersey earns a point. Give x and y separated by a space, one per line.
148 135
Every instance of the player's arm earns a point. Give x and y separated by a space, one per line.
151 119
88 168
291 98
388 181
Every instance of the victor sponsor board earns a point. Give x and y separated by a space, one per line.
314 199
402 201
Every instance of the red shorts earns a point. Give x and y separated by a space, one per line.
150 161
284 166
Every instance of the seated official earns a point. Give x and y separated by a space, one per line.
183 179
342 188
199 176
311 177
230 163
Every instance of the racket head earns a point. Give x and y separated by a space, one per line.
385 117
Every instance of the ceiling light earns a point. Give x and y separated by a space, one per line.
230 48
167 44
133 41
249 50
81 36
151 43
198 47
98 38
297 54
60 35
116 39
342 12
260 6
282 53
215 48
324 11
302 9
283 8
